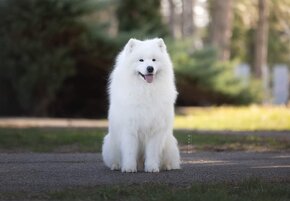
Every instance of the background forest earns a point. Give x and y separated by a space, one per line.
56 55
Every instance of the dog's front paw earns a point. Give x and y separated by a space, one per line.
151 168
132 168
171 167
115 167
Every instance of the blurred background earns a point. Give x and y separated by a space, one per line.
56 55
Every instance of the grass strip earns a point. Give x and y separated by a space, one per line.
90 140
247 190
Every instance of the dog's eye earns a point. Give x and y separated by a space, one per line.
141 60
153 59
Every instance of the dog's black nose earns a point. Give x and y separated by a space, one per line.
150 69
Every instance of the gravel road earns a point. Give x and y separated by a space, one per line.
30 172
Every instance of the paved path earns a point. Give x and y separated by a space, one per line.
42 172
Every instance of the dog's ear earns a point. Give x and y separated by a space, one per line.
161 44
130 45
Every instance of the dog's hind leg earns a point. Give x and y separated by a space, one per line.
111 153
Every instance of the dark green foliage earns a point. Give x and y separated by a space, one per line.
142 18
85 94
44 44
35 53
203 80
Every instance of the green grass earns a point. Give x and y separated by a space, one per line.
234 118
90 140
203 142
248 190
50 140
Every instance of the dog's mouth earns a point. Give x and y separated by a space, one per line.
147 77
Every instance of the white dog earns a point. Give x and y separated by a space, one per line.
142 96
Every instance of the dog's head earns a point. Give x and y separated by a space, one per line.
148 58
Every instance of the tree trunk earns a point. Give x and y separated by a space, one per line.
221 27
261 40
172 18
187 24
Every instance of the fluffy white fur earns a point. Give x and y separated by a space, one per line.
141 114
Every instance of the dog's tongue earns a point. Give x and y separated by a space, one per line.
148 78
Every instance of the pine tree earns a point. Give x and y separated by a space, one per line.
42 43
203 80
142 17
